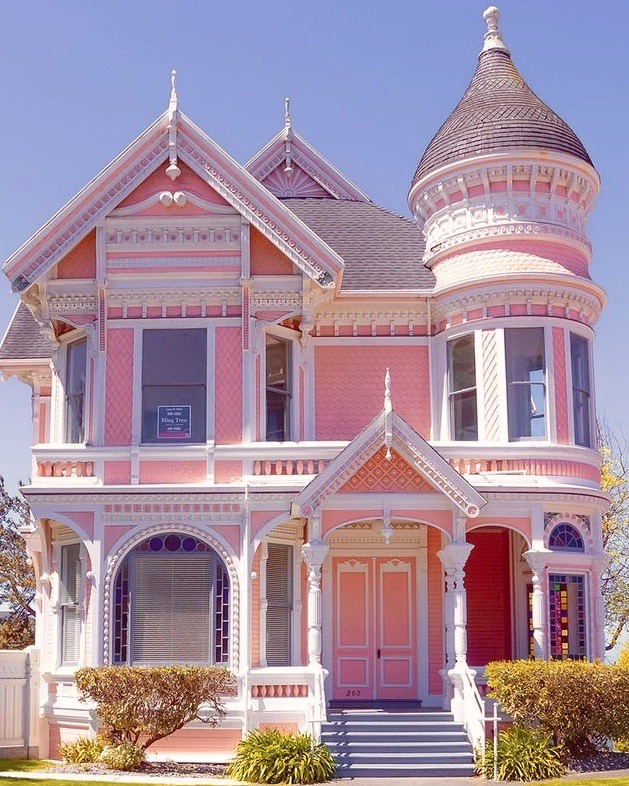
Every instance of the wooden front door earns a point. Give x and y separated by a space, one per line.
375 629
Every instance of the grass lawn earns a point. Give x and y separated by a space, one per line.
23 765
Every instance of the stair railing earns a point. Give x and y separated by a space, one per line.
473 709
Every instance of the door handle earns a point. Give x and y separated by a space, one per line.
378 652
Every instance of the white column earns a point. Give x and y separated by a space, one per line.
597 638
538 559
453 558
314 554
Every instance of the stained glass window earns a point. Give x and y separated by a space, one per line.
159 615
565 537
566 597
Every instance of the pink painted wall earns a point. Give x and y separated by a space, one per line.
113 533
227 471
266 259
117 473
172 471
561 390
119 386
349 384
81 261
228 378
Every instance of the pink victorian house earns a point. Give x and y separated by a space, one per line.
349 455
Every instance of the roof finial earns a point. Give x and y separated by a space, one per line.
493 37
388 409
387 392
288 135
173 170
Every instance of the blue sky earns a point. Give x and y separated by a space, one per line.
370 82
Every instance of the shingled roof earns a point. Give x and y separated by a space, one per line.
23 339
381 250
498 111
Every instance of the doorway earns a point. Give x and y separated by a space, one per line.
375 628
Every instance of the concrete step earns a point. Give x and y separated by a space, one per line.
378 747
405 771
371 757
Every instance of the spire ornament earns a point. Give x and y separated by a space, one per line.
173 170
493 37
388 415
288 135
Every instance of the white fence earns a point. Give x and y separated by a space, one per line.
19 680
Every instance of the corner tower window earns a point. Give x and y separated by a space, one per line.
76 363
278 389
174 364
580 363
526 382
462 388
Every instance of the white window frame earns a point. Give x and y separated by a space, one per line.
449 394
58 606
588 334
292 338
549 403
58 411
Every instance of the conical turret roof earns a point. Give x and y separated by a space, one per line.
498 112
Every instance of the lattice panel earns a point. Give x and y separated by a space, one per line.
378 474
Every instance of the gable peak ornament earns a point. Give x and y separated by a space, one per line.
388 410
173 170
288 135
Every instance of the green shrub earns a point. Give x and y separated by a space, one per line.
125 756
83 750
143 704
622 746
523 755
273 757
578 703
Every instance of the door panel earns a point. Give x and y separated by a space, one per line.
375 629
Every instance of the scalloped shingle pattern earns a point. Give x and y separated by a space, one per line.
498 112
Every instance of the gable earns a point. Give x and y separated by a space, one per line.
298 184
379 473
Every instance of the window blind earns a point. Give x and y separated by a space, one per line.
171 609
279 595
69 600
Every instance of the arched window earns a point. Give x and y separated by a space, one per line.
171 604
565 537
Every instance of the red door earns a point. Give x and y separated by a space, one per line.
375 630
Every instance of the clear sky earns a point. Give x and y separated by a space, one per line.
370 83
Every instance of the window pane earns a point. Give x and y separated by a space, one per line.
278 389
580 389
174 367
462 388
76 366
526 376
174 357
464 421
462 363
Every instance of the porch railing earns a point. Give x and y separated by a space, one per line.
473 709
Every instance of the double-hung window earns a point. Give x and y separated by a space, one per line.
69 603
526 382
462 388
174 374
580 362
279 597
278 389
76 362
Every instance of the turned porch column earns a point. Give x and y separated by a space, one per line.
453 558
599 563
538 559
314 554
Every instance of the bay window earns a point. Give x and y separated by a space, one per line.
526 382
278 389
581 412
462 388
76 364
174 374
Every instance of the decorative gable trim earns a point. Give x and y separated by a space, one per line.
108 189
307 158
389 430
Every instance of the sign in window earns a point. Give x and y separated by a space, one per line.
173 422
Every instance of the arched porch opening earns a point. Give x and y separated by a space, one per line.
497 583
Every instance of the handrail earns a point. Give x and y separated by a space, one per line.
473 709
